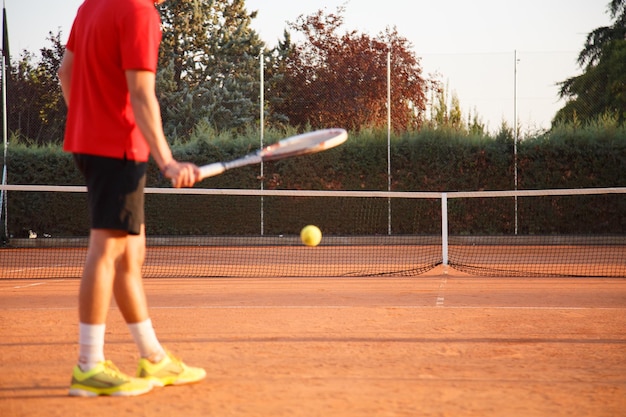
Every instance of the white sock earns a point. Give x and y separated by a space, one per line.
91 345
146 340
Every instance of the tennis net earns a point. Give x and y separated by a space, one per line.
255 233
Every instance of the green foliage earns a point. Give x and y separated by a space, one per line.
444 116
334 79
35 105
601 89
438 160
208 66
40 164
570 157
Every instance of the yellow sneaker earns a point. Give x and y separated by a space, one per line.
106 379
169 371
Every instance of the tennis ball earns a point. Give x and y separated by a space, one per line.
311 235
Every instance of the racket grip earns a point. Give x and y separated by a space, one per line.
211 170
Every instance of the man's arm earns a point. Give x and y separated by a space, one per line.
65 75
141 85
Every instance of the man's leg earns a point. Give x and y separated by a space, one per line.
155 365
128 286
94 299
93 375
96 285
131 298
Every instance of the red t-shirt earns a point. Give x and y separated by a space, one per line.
107 38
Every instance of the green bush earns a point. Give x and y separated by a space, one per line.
441 160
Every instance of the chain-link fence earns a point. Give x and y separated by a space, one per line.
462 91
519 88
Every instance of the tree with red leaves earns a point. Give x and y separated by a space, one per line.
341 80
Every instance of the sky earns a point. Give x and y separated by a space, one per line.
496 56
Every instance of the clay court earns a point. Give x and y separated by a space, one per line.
441 344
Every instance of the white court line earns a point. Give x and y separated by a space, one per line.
37 268
442 288
41 309
408 307
36 284
340 307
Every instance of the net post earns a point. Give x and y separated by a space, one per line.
444 230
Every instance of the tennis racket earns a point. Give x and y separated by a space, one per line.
303 144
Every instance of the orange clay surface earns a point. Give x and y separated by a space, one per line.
435 345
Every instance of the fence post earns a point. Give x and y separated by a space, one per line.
515 131
444 229
389 139
262 132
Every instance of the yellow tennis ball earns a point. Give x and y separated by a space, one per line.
311 235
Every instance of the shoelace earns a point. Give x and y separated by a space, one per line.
173 358
113 370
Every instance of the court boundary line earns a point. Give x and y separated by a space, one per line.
442 288
339 307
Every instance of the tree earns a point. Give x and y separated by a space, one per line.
36 110
596 40
439 113
601 89
445 111
332 79
276 63
208 72
208 64
53 109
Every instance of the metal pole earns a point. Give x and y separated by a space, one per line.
389 139
444 229
5 133
515 133
262 132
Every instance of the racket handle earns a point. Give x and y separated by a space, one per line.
211 170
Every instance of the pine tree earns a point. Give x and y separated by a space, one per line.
601 89
208 64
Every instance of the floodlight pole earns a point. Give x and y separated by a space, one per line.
389 139
5 133
262 131
515 133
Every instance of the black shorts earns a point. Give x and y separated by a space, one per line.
115 190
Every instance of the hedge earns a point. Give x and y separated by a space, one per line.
428 160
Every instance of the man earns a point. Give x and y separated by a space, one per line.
113 125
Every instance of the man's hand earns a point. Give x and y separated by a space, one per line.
182 174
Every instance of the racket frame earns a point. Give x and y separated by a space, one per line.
302 144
